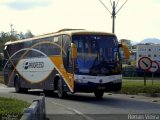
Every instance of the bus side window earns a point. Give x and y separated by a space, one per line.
69 60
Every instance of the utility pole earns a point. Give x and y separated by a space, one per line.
113 16
114 12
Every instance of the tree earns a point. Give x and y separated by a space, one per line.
21 36
28 34
5 37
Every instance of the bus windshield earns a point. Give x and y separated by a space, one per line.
97 54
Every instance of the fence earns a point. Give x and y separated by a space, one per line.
36 111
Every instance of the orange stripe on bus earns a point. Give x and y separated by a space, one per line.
68 77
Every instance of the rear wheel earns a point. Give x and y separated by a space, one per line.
18 89
98 93
61 93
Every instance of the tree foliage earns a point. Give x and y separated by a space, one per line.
6 36
28 34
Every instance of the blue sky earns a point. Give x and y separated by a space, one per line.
137 20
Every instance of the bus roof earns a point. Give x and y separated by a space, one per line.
60 32
81 31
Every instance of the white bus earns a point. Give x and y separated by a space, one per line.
66 61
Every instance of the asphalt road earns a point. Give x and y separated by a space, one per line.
86 106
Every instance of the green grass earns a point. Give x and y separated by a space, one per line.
137 86
12 107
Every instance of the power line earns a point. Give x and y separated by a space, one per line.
105 7
117 3
111 2
121 6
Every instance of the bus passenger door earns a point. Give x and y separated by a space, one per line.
70 70
67 61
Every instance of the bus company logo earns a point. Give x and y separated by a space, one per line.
30 64
25 65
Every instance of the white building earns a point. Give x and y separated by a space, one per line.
148 50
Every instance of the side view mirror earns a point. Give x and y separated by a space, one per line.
74 51
126 52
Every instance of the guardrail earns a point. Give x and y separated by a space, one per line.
36 111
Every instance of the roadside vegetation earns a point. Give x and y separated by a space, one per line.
136 85
12 108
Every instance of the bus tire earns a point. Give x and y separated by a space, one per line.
17 86
98 94
18 89
118 87
61 93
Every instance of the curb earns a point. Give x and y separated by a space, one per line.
36 111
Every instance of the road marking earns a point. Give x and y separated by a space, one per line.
74 110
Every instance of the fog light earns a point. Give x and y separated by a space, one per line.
117 81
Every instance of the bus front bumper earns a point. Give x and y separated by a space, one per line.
91 87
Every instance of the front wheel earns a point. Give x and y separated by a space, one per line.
61 93
98 94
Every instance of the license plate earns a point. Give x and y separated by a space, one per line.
101 88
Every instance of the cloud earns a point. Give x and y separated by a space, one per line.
25 4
